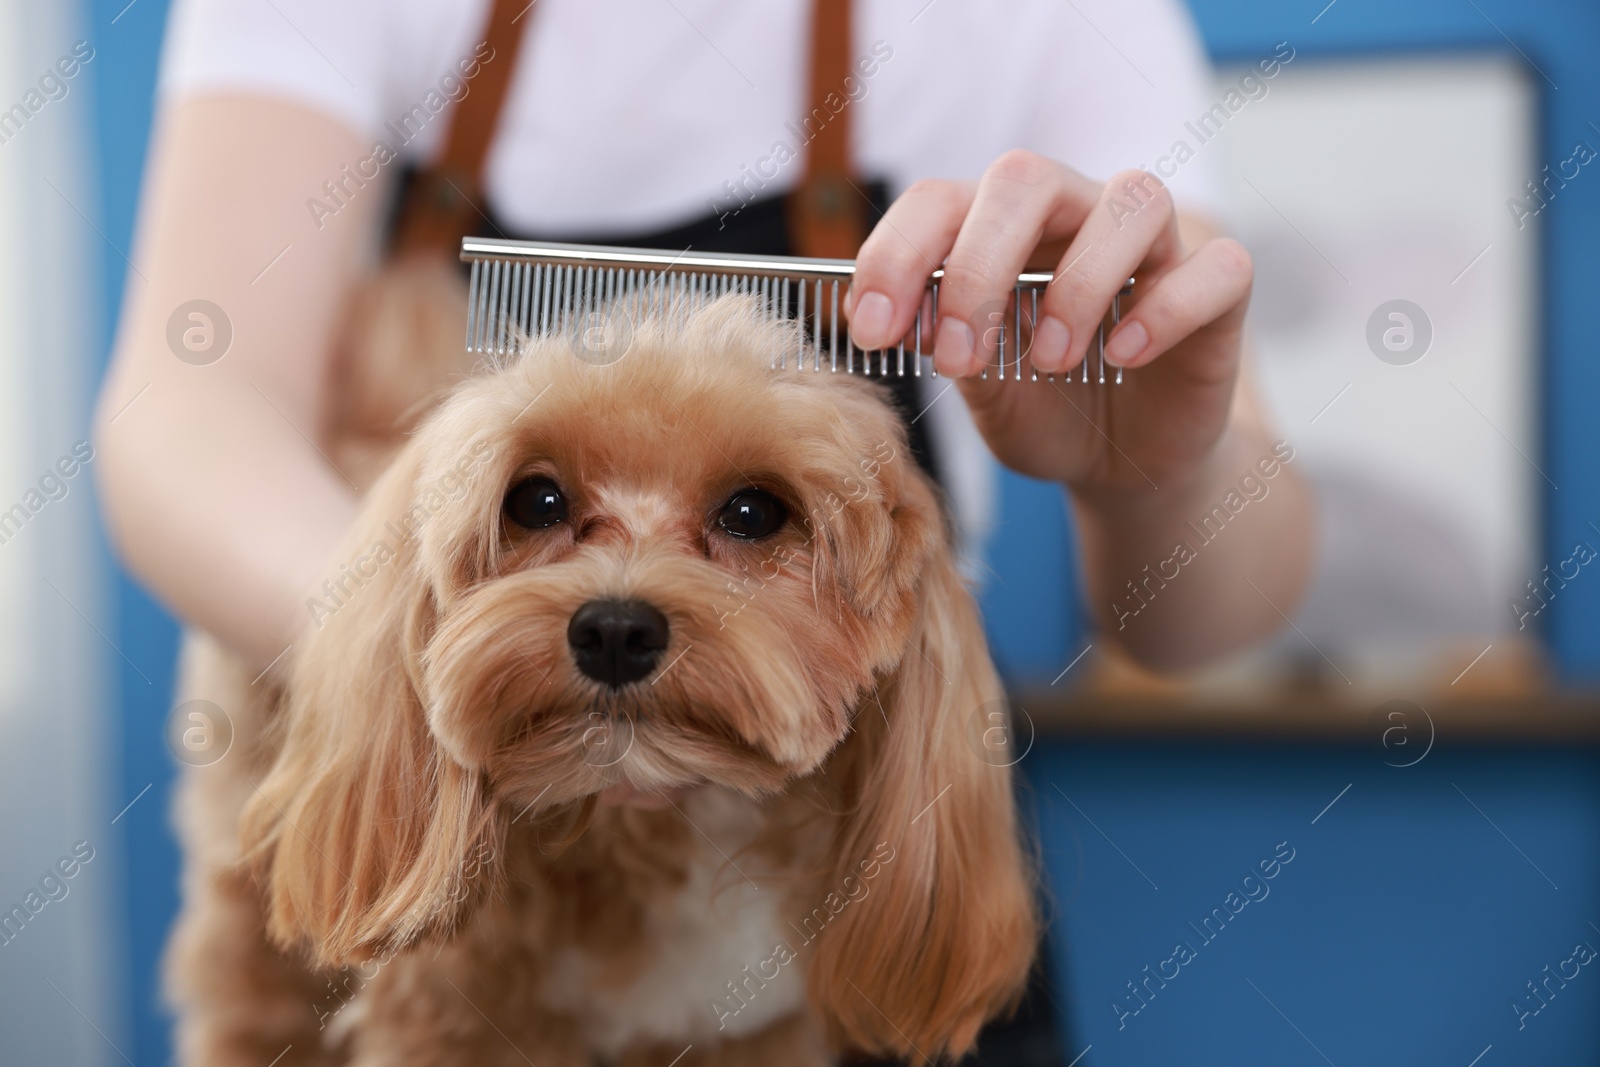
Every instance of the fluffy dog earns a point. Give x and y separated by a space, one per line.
637 728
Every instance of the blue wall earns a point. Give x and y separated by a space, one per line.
126 52
1400 932
1405 924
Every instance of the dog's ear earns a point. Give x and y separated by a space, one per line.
941 925
876 518
365 833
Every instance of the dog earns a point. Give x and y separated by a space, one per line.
636 725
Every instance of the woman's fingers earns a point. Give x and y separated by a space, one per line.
1210 284
904 249
1023 198
984 233
1132 225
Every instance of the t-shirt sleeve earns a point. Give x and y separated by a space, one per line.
1128 75
361 61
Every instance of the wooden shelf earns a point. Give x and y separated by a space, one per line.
1534 718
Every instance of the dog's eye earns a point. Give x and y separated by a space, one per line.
752 513
535 503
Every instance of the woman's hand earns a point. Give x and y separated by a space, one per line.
1181 329
1141 458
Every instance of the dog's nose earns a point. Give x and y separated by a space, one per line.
617 641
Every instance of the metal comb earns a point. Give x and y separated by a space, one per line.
528 289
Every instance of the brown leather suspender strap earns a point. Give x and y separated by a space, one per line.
441 204
827 212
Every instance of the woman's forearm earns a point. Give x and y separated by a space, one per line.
1187 574
223 511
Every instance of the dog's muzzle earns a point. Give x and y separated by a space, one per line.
617 641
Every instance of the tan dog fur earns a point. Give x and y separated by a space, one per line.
402 859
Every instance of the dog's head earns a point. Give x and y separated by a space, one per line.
679 568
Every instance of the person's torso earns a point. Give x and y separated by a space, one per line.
625 116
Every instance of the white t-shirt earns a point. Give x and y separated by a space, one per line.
630 115
626 116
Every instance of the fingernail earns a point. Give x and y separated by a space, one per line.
1050 343
870 320
1127 344
952 348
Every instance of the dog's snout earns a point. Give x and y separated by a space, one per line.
617 641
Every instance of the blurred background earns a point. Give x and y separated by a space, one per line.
1418 189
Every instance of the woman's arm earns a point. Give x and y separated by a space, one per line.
1141 459
214 484
1237 581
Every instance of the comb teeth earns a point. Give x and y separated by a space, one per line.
524 289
